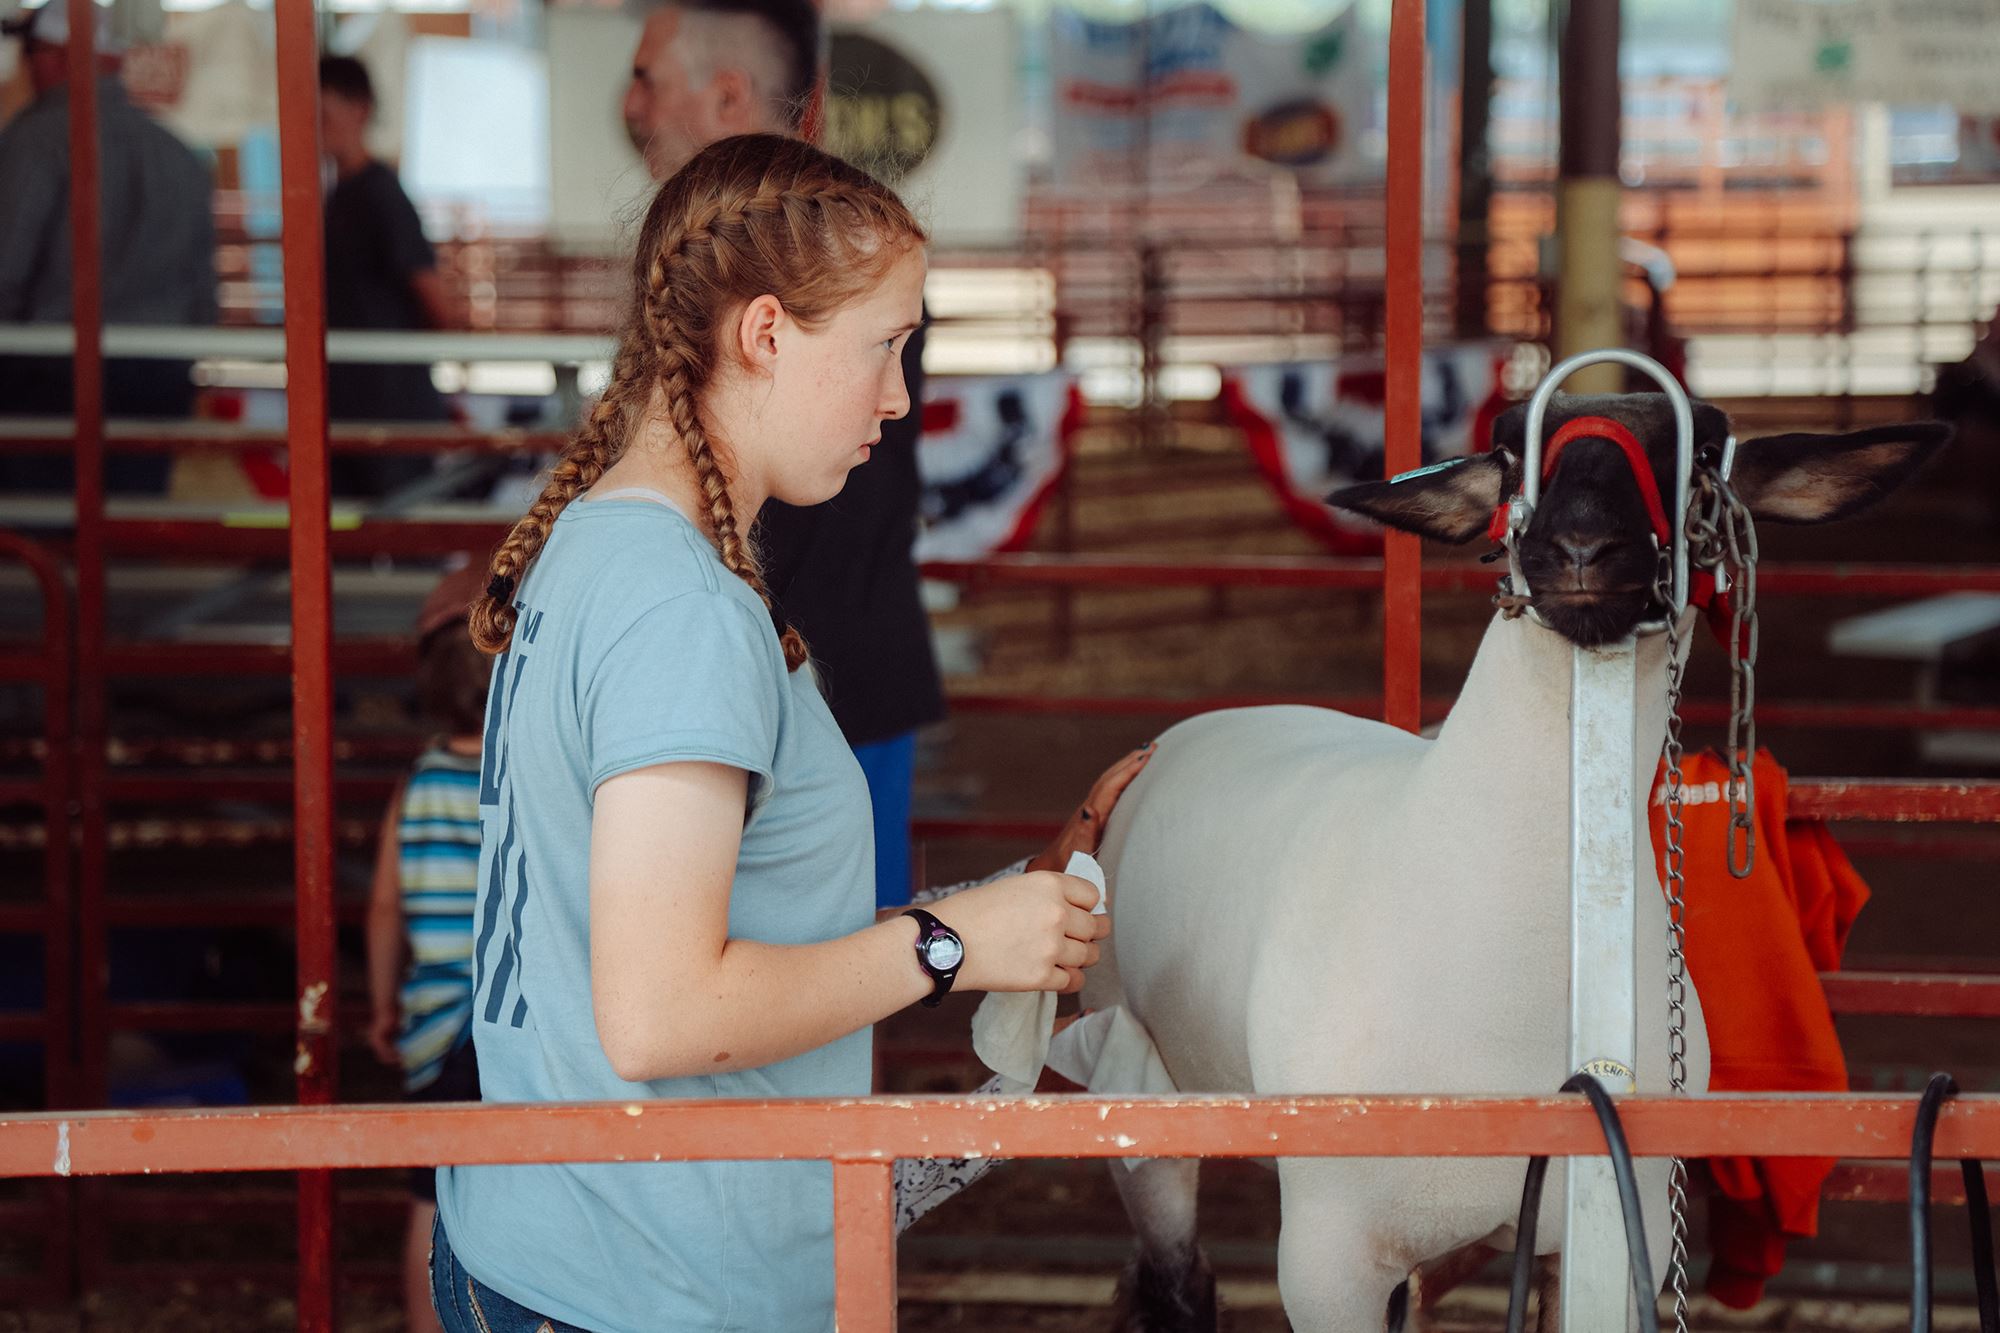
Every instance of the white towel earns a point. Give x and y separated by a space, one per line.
1111 1052
1108 1052
1010 1030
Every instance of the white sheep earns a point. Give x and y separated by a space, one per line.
1309 902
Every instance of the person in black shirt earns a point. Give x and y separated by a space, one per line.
704 70
381 273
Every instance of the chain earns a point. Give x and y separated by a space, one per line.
1721 536
1740 550
1677 990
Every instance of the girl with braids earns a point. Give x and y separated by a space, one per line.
676 886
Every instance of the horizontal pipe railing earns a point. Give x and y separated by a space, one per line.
882 1129
179 341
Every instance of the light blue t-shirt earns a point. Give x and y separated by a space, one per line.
634 647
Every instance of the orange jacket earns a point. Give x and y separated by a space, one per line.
1755 949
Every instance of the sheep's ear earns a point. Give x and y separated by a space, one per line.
1819 478
1450 502
1510 430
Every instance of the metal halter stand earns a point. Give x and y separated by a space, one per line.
1604 822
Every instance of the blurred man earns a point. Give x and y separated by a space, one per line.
156 212
704 70
381 273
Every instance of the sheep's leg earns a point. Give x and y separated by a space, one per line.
1332 1270
1168 1288
1434 1279
1334 1284
1548 1294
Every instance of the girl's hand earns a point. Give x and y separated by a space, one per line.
1085 829
383 1029
1032 932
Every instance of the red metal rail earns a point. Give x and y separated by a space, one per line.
312 625
1402 589
1770 713
1808 580
50 918
1913 994
92 706
87 315
159 437
51 792
1832 799
1859 1126
862 1138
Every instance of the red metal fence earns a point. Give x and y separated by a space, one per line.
861 1138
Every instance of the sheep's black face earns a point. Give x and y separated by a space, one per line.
1591 553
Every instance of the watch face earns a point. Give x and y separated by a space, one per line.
944 952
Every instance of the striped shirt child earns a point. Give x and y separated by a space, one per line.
438 839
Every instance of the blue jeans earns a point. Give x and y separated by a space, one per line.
891 769
464 1304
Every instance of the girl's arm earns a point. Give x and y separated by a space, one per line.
388 941
674 995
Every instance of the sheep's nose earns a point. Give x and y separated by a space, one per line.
1581 551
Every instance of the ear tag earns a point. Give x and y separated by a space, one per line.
1434 468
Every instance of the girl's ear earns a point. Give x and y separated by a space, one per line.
757 331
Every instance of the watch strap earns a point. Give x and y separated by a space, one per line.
928 929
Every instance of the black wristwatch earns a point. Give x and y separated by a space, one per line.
940 953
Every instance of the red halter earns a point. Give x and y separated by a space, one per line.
1602 428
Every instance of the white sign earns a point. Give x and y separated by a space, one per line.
1206 98
1811 53
964 125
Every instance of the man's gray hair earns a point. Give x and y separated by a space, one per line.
774 43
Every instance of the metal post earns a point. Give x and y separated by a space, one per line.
58 946
87 365
864 1246
312 624
1603 866
1402 587
1589 310
1472 317
92 1050
1603 1002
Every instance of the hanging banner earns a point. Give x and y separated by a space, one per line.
1798 54
1314 428
992 451
1200 98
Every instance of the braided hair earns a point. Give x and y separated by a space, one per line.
748 216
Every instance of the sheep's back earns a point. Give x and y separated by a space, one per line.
1217 849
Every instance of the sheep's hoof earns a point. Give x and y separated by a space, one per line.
1399 1309
1173 1293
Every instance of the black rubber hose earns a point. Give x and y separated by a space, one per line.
1524 1244
1982 1245
1921 1137
1644 1298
